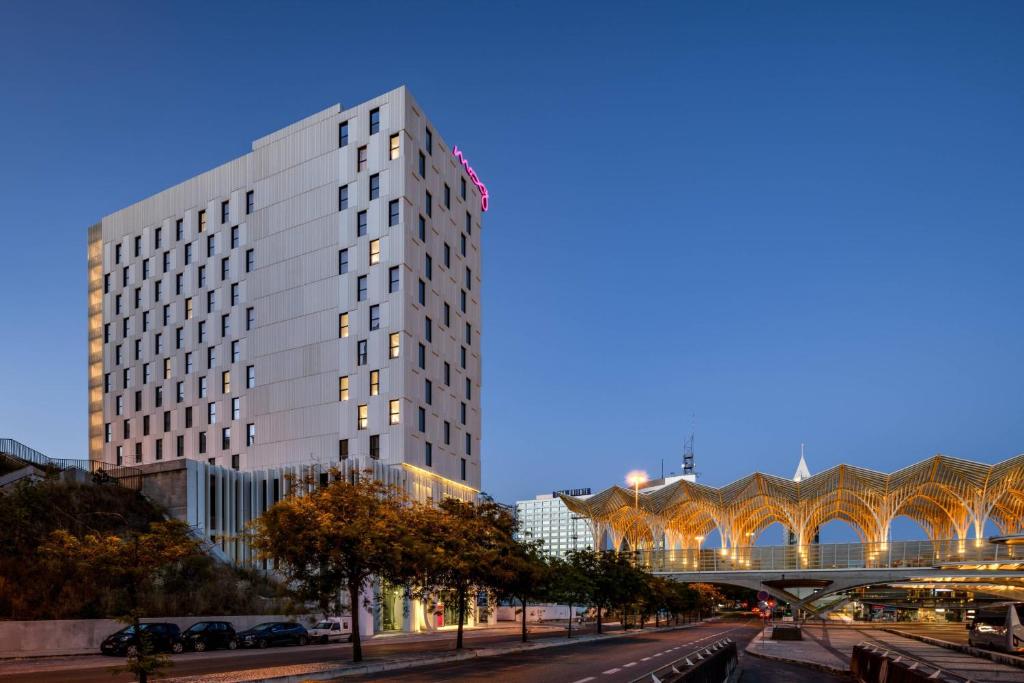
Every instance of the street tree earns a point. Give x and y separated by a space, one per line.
325 539
570 581
129 562
522 575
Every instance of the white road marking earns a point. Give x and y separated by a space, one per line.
630 664
612 671
584 680
644 659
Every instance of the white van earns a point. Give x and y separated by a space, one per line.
332 630
1000 627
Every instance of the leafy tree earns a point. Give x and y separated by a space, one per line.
131 562
523 575
458 546
337 537
614 580
570 581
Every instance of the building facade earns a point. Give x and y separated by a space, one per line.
315 300
546 518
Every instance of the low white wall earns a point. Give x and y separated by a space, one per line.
83 636
534 613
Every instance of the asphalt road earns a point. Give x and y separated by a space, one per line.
612 661
87 668
951 633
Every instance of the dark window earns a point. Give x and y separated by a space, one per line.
469 334
375 446
375 317
423 229
421 357
469 446
343 134
393 216
179 229
462 243
361 288
428 392
422 294
394 282
447 433
250 201
138 246
462 413
447 374
374 186
342 261
157 235
428 455
447 256
469 223
342 449
428 203
361 352
447 315
429 142
188 254
428 267
179 446
374 121
361 224
462 300
117 253
250 260
421 419
462 188
428 330
188 417
361 159
422 166
250 318
447 196
463 469
225 211
342 197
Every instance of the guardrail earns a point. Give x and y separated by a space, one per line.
871 664
894 554
16 452
716 662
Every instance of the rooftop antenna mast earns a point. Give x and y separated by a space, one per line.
688 463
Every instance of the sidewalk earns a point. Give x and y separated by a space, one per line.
335 670
825 648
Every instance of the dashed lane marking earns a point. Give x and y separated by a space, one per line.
584 680
630 664
609 672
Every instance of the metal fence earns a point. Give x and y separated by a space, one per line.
894 554
101 472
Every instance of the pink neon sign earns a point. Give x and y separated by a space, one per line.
472 176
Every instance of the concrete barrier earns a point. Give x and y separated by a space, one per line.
83 636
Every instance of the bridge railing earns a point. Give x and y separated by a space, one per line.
828 556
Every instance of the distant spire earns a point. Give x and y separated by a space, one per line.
802 472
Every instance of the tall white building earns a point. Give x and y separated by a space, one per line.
546 518
314 300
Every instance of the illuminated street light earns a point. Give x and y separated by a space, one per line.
634 479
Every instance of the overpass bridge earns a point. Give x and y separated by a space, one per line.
807 576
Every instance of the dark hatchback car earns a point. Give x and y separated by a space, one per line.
162 637
209 635
274 633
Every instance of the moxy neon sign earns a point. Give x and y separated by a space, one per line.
472 176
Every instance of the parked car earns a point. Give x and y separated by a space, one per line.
332 630
163 637
208 635
1000 627
274 633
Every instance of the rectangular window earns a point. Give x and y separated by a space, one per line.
428 330
145 269
138 452
342 449
250 377
429 142
361 352
211 413
421 420
158 238
250 318
188 254
342 197
117 254
166 261
422 229
447 315
393 280
225 325
375 446
462 188
145 425
188 362
428 392
394 408
374 317
343 134
421 294
234 461
469 279
469 334
394 344
236 408
374 252
462 300
463 469
225 438
179 446
362 417
342 261
236 352
179 392
250 435
421 357
179 229
428 455
211 301
462 413
250 201
343 388
167 368
447 196
374 121
178 334
361 224
428 266
179 281
393 212
447 374
138 246
375 186
211 245
202 442
361 288
167 420
394 147
225 211
428 203
374 382
188 417
225 382
462 244
236 233
422 167
447 433
469 389
469 223
202 276
342 325
361 159
250 260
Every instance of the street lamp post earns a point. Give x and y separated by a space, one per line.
634 479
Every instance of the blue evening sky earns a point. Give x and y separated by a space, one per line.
800 222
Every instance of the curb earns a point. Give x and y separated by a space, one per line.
801 662
997 657
333 671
